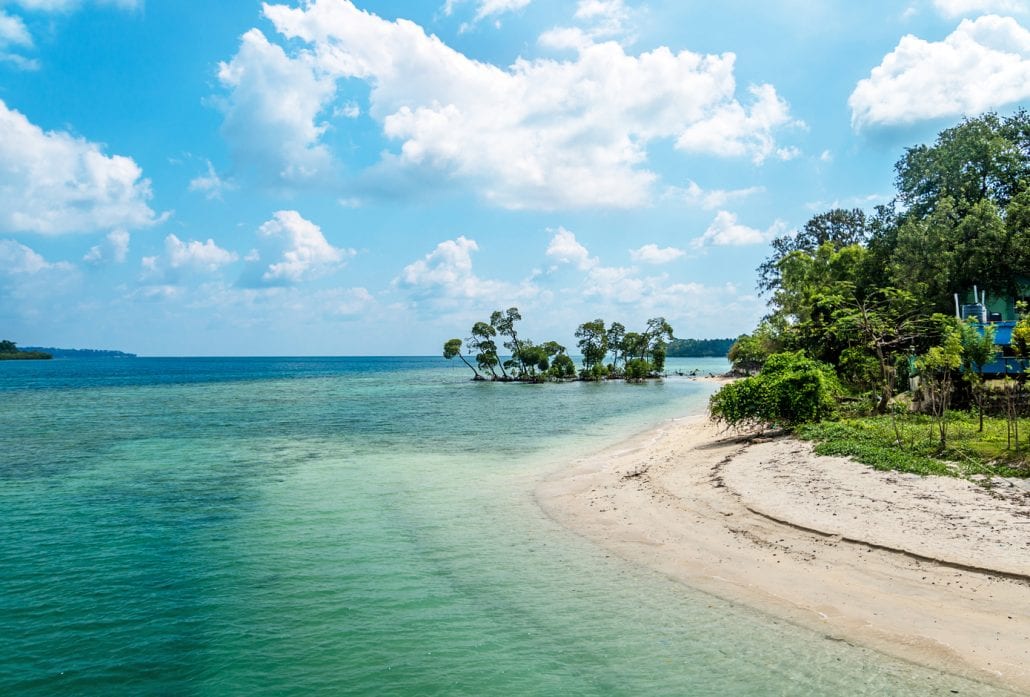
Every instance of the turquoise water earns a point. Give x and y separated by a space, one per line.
351 526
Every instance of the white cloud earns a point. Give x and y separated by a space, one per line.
70 5
565 248
193 257
210 184
54 183
488 8
447 271
732 130
539 134
202 256
345 302
271 111
726 231
304 252
17 259
653 254
13 32
115 247
710 199
983 64
958 8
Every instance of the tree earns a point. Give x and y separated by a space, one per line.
881 323
749 351
936 368
978 349
593 342
563 367
838 227
452 348
504 323
7 346
982 158
616 333
482 342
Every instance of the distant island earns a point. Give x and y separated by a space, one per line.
699 348
9 351
80 353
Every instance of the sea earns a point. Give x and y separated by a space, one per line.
353 526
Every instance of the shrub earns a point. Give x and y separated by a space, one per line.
791 389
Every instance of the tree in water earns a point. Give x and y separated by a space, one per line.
616 333
482 342
452 348
504 323
593 343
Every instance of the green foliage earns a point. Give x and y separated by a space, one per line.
1021 337
9 351
563 367
637 369
699 348
593 342
595 373
791 389
749 351
873 441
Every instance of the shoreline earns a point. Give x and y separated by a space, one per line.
932 570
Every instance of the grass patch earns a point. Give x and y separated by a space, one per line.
871 440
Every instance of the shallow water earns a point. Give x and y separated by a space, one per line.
351 526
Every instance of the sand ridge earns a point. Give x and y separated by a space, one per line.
930 569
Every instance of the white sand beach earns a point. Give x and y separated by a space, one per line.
933 570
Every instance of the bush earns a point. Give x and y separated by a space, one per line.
637 369
791 389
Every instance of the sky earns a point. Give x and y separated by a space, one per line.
329 177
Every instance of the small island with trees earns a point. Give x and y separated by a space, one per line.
9 351
635 356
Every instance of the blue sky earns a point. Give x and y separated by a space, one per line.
332 177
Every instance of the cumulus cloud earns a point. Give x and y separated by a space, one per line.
447 271
565 248
302 250
270 114
17 259
983 64
653 254
540 134
958 8
732 130
193 257
115 248
54 183
709 199
725 230
599 20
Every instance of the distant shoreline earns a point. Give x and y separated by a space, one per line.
932 570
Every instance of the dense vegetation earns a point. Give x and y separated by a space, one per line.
633 355
699 348
871 298
9 351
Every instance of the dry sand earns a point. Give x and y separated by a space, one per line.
931 569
